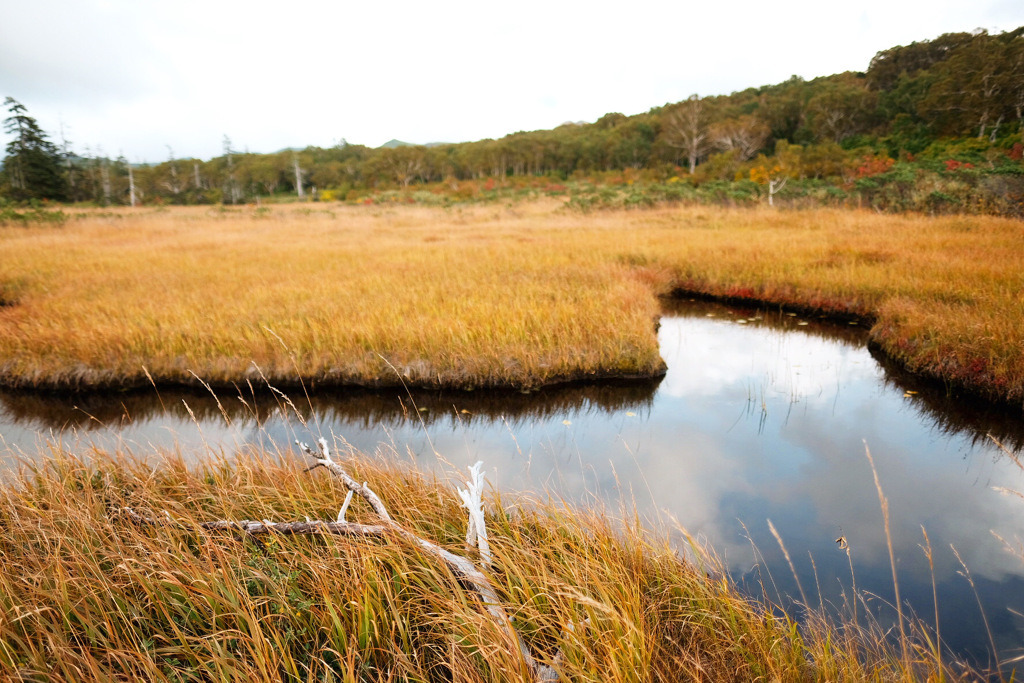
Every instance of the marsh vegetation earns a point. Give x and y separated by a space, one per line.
98 597
515 296
760 417
519 295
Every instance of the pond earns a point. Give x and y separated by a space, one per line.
761 423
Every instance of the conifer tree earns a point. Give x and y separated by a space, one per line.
32 166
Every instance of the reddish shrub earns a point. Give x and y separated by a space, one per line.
954 165
874 166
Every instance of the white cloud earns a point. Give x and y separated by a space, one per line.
138 76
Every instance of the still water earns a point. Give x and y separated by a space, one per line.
763 415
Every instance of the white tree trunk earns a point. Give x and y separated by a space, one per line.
774 185
131 185
105 180
298 177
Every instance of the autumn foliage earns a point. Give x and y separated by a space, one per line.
873 165
954 100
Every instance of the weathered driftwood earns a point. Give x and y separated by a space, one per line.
472 500
460 566
256 528
463 569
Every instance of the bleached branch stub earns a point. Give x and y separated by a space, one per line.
472 500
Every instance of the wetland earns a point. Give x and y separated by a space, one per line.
763 414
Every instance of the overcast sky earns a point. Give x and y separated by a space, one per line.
136 77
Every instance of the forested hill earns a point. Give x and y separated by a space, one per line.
956 101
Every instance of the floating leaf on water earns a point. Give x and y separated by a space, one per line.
911 391
423 410
567 422
741 321
791 315
630 414
465 412
803 322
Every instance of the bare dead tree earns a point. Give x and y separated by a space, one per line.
173 184
298 175
65 149
747 134
232 182
403 163
104 164
687 128
1017 87
131 184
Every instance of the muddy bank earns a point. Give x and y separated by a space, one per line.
90 382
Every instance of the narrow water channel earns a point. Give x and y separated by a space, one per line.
763 415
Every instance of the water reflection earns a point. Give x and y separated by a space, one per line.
752 422
954 413
358 407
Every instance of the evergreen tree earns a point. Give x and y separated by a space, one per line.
32 167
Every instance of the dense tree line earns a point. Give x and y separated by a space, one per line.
912 100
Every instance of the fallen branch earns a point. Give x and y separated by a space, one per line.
472 577
463 569
254 528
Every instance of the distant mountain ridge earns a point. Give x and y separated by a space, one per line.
391 144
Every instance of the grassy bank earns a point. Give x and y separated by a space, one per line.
96 597
516 295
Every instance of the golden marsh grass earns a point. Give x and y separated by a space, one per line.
488 295
96 597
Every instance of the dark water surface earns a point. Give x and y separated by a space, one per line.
762 416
